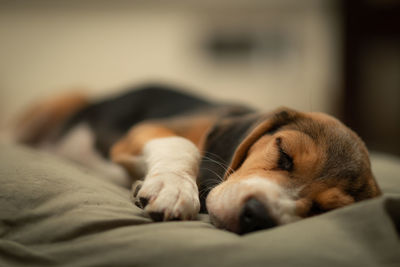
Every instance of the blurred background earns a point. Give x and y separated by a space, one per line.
339 57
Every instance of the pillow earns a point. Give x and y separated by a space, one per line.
54 212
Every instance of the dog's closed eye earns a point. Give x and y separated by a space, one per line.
285 161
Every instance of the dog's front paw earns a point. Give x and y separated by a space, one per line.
168 197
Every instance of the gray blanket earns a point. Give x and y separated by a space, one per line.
54 212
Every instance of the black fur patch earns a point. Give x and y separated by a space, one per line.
110 119
221 144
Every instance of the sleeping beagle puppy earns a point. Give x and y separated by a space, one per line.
248 170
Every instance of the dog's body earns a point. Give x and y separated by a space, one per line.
249 170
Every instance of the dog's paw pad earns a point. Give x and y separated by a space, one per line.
157 216
143 202
137 204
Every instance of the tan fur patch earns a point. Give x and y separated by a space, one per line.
263 156
193 129
133 143
42 118
126 150
333 198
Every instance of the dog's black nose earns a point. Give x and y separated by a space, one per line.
254 217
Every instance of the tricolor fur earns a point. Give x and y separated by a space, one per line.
249 170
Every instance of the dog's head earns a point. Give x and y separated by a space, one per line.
282 167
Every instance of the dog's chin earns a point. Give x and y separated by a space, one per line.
232 204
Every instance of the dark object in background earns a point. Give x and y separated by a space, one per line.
372 72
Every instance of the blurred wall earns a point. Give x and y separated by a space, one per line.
371 71
264 53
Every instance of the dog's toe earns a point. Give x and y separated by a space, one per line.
168 197
136 190
134 195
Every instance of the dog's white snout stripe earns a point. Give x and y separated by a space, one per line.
278 201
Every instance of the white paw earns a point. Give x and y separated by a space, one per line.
168 197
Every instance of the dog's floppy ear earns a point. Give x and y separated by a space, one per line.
228 142
268 123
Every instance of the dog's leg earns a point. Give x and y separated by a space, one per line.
169 190
38 122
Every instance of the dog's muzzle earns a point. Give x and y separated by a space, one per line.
250 204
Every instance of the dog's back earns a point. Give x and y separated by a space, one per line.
111 118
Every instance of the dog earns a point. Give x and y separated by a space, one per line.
249 170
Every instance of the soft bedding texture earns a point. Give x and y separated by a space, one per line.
53 212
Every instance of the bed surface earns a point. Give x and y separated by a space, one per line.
54 212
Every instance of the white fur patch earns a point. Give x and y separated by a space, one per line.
279 203
78 146
170 184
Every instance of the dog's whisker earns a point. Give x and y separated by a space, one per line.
205 190
207 187
220 164
220 178
223 169
211 182
221 160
